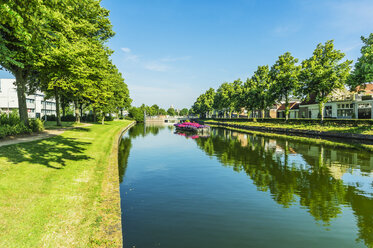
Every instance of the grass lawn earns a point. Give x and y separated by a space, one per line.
53 124
51 190
360 129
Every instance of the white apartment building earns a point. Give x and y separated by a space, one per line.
37 106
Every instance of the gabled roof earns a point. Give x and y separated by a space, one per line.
367 89
293 105
310 100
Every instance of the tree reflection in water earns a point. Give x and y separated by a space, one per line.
320 178
312 175
125 144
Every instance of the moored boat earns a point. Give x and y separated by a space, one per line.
192 127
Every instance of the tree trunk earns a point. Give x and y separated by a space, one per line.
94 115
103 119
21 93
57 97
77 113
249 114
263 113
321 110
287 109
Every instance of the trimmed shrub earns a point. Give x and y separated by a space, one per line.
50 118
36 125
68 118
8 130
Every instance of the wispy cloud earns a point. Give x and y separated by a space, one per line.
351 47
130 56
126 49
174 59
286 29
351 16
156 66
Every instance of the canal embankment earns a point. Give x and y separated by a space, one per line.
60 191
361 134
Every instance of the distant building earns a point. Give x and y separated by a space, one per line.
37 106
293 110
342 105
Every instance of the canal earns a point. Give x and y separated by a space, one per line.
239 190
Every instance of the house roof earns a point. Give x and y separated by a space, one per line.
310 100
293 105
367 89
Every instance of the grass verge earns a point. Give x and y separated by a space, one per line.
52 191
356 129
53 124
330 143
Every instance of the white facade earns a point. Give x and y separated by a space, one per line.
37 107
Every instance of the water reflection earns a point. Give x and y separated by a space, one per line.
322 179
139 130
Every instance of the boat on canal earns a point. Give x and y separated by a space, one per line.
192 127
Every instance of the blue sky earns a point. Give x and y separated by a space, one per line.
171 51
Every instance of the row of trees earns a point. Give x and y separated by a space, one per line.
137 113
316 77
59 47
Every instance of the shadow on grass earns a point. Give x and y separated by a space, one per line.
53 152
80 129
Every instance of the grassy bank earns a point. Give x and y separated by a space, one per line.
310 140
53 124
365 129
52 192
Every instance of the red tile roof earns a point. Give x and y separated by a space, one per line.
367 88
293 105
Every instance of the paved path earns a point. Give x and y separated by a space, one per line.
36 136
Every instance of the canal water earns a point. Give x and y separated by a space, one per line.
238 190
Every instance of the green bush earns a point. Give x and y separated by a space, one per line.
8 130
36 125
68 118
136 114
10 120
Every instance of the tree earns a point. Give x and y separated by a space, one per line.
136 113
363 71
31 31
162 111
224 98
247 99
184 112
204 103
285 74
255 92
171 111
24 32
322 73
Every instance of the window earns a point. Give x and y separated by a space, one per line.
328 111
30 100
364 105
344 112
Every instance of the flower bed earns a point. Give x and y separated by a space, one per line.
190 126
